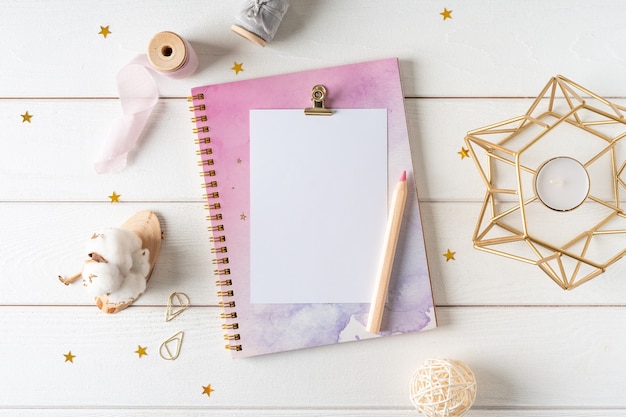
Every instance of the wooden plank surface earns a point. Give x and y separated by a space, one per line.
37 254
39 158
484 50
506 347
536 350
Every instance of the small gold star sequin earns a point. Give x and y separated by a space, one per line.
449 255
104 31
69 357
141 351
447 14
115 198
238 160
237 67
207 390
464 153
26 117
243 216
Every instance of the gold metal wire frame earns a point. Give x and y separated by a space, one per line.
563 103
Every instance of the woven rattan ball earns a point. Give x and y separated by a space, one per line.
443 388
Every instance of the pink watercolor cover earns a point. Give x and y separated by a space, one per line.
268 328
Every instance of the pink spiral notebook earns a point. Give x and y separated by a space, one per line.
222 123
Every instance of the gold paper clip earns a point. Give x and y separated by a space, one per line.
318 95
176 304
177 340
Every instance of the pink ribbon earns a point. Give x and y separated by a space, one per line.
139 95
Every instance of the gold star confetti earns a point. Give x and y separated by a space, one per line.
449 255
26 117
447 14
243 216
237 67
115 198
238 160
69 357
141 351
104 31
464 153
207 390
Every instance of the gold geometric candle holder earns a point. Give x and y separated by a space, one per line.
554 179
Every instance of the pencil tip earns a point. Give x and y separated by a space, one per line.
403 176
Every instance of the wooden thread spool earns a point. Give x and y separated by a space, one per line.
167 52
258 21
248 35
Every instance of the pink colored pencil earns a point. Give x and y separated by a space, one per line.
394 221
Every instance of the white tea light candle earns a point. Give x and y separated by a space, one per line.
562 183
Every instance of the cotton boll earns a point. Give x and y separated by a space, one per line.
121 268
101 278
133 286
141 262
116 245
134 283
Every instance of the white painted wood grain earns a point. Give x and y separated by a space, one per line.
38 158
41 241
536 350
280 412
556 357
38 241
480 278
51 158
487 49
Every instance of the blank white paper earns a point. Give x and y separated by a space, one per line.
318 205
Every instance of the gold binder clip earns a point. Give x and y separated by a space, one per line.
318 95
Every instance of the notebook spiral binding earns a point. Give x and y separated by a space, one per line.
218 238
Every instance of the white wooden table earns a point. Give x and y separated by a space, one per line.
536 350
